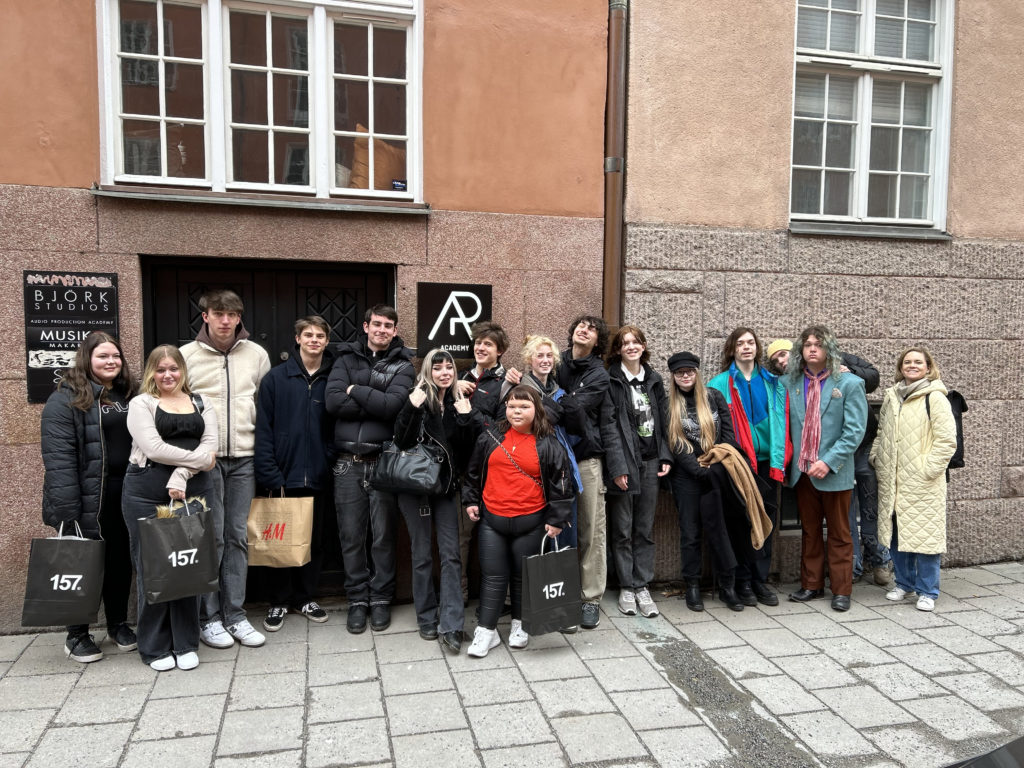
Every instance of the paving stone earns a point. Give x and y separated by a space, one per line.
913 746
551 639
427 748
335 668
351 701
353 741
261 730
286 759
883 632
776 642
858 611
958 640
852 650
497 657
549 754
425 712
812 626
14 759
267 660
711 635
899 681
961 588
107 704
980 576
332 638
630 674
396 647
983 623
493 686
686 747
22 729
863 707
593 738
930 659
415 677
609 645
906 615
285 689
96 746
294 630
1003 607
983 691
815 671
742 662
553 664
574 696
675 612
750 618
953 718
785 607
208 678
827 734
1013 642
11 646
1007 666
47 659
1011 570
185 716
508 725
208 655
193 752
1014 590
661 708
117 669
40 691
4 666
782 696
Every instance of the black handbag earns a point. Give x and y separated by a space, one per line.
65 580
178 556
418 471
551 589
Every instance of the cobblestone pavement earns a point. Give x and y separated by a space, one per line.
793 685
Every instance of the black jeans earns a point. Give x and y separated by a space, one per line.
504 542
754 564
701 508
423 516
294 587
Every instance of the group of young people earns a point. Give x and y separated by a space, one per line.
571 443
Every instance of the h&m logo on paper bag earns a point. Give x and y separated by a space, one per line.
273 532
446 313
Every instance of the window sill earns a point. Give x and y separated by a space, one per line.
897 232
177 195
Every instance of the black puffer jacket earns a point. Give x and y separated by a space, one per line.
869 374
366 416
555 475
488 403
452 430
75 460
625 422
588 412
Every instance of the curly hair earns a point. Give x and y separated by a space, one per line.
833 356
599 325
729 349
534 343
615 348
78 378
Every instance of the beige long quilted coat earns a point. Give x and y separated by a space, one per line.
910 455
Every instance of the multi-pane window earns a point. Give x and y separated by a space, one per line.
871 110
309 96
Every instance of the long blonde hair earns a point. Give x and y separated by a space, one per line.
170 351
677 439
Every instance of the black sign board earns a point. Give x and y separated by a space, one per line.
61 309
446 314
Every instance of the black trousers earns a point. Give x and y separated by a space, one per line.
754 564
294 587
707 506
504 542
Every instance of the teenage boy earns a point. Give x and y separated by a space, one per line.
588 414
227 367
367 387
293 445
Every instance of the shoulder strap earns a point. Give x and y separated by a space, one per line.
927 405
197 401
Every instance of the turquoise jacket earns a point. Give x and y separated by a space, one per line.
774 430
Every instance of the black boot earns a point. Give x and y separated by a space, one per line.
694 601
727 594
745 593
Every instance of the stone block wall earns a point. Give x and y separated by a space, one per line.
688 287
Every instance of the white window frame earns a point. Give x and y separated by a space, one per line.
321 15
866 68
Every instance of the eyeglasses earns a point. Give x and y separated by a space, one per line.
685 372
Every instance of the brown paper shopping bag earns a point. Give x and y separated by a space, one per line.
280 530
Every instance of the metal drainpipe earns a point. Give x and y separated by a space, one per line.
614 162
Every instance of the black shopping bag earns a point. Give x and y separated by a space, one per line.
65 581
178 556
551 589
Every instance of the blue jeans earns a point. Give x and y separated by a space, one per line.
233 487
423 516
913 571
360 510
867 550
631 520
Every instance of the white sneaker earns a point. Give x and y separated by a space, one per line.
244 633
925 603
627 602
517 638
163 664
646 604
188 660
215 636
896 594
483 641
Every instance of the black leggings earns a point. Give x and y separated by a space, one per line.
504 542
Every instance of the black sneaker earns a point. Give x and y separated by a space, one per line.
357 618
314 612
591 615
123 637
380 617
82 648
275 618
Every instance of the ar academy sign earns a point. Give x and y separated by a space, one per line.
446 313
61 309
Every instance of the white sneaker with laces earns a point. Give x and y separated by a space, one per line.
627 602
646 604
215 636
188 660
897 593
925 603
517 638
246 634
483 641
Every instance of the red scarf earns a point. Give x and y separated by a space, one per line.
811 436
